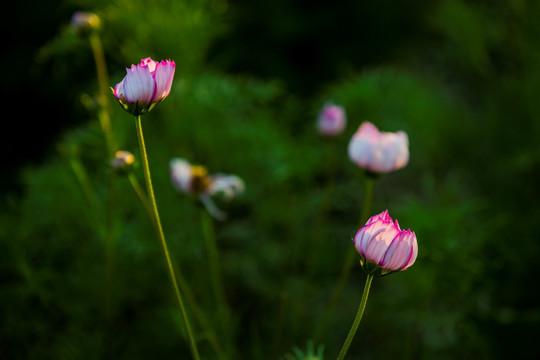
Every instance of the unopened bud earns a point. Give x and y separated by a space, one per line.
84 22
123 161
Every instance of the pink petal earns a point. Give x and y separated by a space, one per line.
138 85
378 245
163 76
151 64
414 252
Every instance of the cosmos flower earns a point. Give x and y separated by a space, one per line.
379 152
145 85
331 120
384 247
194 180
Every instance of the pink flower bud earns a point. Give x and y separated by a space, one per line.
331 120
384 247
379 152
145 85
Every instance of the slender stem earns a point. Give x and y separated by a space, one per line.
88 191
348 263
213 258
357 320
192 343
368 197
182 283
103 79
215 274
140 195
199 314
104 115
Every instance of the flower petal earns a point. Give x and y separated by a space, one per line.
163 76
181 174
138 85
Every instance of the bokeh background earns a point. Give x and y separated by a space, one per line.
462 78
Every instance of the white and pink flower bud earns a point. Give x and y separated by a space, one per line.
384 247
379 152
331 121
145 85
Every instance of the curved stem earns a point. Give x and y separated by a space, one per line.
103 79
140 195
368 197
104 115
192 343
88 191
357 320
349 261
182 283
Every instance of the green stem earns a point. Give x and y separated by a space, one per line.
199 314
140 195
349 261
89 194
368 197
103 79
182 283
215 275
357 320
192 343
104 115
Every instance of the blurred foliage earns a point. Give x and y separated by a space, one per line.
462 82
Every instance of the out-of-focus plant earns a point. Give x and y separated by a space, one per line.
451 88
331 120
194 180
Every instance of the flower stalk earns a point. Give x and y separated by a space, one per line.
357 319
103 80
349 261
164 247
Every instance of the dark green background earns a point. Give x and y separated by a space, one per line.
462 78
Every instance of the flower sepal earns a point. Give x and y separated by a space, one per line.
373 269
137 108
